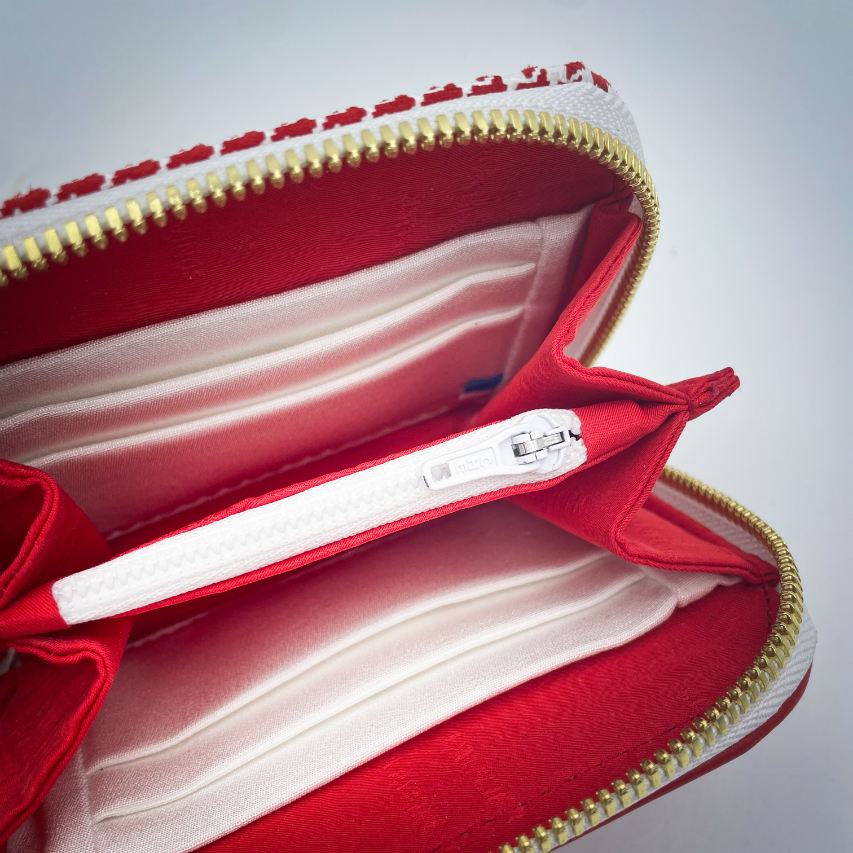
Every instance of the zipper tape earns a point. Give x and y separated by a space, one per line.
535 447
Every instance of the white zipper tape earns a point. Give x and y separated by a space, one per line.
533 447
582 100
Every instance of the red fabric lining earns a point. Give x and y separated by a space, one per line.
49 701
54 697
387 210
675 541
45 534
495 771
734 751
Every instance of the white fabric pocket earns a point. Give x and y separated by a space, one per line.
241 709
319 368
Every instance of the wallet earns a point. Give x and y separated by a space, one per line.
321 530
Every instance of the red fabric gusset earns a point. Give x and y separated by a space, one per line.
630 427
48 702
705 392
669 539
43 533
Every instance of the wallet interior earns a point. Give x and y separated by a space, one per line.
266 343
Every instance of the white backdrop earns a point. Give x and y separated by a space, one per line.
744 112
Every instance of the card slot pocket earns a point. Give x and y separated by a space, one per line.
221 336
387 687
354 675
358 596
119 481
59 426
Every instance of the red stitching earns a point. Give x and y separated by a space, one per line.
449 92
541 79
600 81
659 736
348 116
192 155
241 143
535 76
396 105
488 85
134 173
297 128
82 186
25 201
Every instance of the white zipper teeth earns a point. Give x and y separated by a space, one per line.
319 516
582 100
549 840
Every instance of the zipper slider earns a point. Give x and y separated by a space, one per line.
534 444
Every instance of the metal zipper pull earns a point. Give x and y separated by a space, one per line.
533 443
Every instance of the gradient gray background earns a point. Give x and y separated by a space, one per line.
744 112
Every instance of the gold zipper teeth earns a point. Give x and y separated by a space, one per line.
726 712
294 164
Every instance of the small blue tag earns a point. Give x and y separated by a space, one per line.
485 384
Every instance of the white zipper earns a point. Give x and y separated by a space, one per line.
533 447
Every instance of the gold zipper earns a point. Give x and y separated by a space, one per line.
725 714
407 137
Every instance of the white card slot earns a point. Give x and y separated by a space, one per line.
354 675
58 426
292 685
119 481
458 316
307 617
220 336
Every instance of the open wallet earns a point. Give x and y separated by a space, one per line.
319 529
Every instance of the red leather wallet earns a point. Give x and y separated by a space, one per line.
320 528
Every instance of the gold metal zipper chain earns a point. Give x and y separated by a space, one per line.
330 156
726 712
